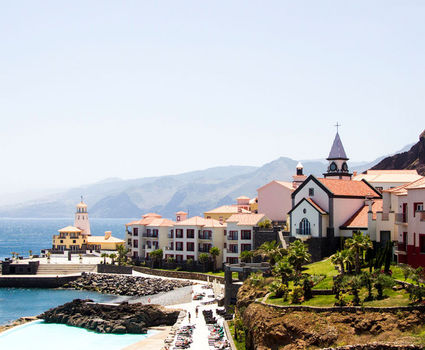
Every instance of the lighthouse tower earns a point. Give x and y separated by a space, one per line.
82 218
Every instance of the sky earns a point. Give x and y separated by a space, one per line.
97 89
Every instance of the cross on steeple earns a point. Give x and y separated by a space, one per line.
337 126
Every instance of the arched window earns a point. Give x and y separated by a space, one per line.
304 227
344 166
333 167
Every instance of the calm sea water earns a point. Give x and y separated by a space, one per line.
43 336
19 302
22 235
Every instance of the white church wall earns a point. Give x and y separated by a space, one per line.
310 214
320 196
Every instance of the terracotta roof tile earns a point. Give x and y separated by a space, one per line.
198 221
360 218
246 219
161 222
349 188
226 209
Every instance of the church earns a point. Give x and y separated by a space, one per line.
325 210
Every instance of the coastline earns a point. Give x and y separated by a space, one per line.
16 323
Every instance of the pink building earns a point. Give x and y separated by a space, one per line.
410 219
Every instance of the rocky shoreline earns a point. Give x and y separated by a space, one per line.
18 322
106 318
125 285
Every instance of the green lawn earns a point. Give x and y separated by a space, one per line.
221 274
240 345
323 267
395 298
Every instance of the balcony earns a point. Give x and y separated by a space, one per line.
233 250
204 249
401 218
232 238
150 235
402 247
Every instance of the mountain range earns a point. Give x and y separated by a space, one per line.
195 191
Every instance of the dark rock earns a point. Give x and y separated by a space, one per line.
118 319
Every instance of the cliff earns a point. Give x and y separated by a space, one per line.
412 159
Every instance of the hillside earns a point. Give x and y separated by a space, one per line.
195 191
414 158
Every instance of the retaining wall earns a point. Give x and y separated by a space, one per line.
178 274
290 308
35 282
123 270
376 346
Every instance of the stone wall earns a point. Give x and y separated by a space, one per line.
122 270
376 346
29 268
35 282
352 309
178 274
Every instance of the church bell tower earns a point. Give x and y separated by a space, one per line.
82 218
337 168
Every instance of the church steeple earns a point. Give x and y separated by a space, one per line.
337 168
82 218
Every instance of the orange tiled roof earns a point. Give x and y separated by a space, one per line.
349 188
360 218
181 213
416 184
144 221
317 206
198 221
70 229
227 209
151 215
161 222
246 219
286 184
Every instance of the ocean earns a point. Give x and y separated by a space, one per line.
22 235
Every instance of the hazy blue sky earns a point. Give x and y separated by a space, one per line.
97 89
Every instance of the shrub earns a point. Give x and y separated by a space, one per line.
279 289
297 295
307 286
189 261
171 260
265 224
256 279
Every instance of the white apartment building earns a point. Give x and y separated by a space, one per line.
190 237
240 235
148 234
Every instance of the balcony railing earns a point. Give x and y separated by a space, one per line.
401 217
205 237
300 231
232 238
179 249
203 249
234 250
402 247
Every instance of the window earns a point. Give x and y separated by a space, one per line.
135 243
190 246
233 235
233 248
245 247
74 241
417 207
304 227
311 191
179 233
190 233
155 233
135 231
246 234
179 246
344 166
422 243
333 167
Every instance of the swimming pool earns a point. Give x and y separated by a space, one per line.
51 336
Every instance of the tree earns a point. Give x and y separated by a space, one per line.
357 245
104 256
284 269
122 254
383 281
113 256
270 250
265 224
156 256
246 256
366 279
298 255
354 283
204 258
215 252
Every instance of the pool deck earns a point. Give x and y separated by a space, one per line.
154 342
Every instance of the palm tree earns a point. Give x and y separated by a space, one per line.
215 252
357 245
284 269
340 258
246 256
298 255
113 256
104 256
203 259
122 254
270 250
156 256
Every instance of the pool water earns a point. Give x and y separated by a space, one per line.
50 336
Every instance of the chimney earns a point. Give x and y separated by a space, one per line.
181 216
299 176
107 235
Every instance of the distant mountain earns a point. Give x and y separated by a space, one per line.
195 191
414 158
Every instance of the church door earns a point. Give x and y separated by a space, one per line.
304 227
